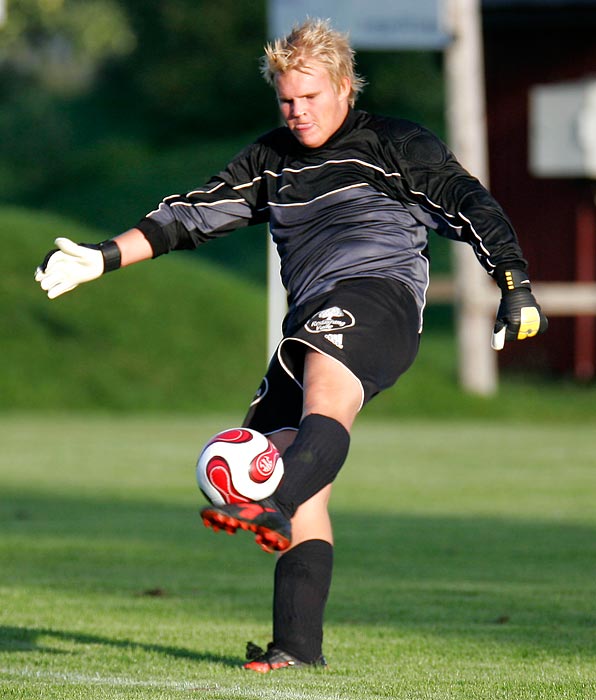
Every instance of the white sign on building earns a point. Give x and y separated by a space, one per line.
372 24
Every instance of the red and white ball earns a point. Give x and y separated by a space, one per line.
239 465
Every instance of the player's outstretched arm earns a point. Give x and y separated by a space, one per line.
71 264
519 316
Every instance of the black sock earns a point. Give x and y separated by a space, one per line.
302 582
312 461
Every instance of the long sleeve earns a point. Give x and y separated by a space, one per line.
232 199
458 204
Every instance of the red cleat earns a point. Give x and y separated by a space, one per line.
272 529
275 659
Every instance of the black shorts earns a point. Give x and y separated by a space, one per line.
369 324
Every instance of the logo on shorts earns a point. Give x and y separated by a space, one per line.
336 339
330 320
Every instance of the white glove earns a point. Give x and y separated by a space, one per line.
66 268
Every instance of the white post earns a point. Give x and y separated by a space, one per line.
276 299
466 121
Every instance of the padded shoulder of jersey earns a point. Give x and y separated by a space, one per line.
411 141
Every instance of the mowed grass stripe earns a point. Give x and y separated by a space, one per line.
465 565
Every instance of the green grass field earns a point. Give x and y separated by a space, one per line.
477 574
465 565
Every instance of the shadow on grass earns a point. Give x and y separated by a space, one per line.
530 583
30 639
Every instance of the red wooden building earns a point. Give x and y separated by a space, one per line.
527 44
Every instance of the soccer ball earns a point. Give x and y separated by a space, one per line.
239 465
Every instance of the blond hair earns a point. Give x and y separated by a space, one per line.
313 40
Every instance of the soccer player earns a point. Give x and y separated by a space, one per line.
349 197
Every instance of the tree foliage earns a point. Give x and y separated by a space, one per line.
63 43
97 95
196 65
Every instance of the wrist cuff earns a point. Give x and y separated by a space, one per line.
510 279
111 256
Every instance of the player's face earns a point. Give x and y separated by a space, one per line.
311 105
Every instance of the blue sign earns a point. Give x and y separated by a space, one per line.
371 24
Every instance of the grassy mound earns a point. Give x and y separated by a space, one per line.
171 334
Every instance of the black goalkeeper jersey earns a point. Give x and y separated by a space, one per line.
358 206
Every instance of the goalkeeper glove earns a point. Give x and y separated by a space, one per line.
519 316
71 264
